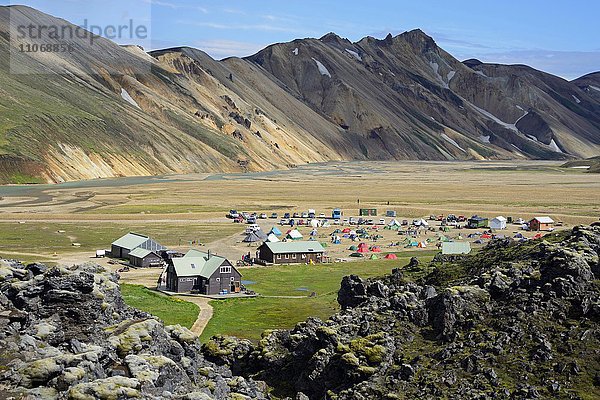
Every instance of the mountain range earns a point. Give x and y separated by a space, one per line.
106 110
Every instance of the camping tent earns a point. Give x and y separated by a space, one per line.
391 256
357 255
486 236
363 248
346 230
314 232
420 222
376 249
272 238
394 222
275 231
422 245
498 223
314 223
261 235
353 248
251 238
374 257
294 235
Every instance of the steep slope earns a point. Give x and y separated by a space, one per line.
106 110
425 103
590 84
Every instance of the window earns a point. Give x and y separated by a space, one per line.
293 256
279 256
193 266
218 279
232 279
287 256
226 270
303 256
318 256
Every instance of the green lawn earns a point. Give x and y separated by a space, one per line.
248 318
45 238
170 310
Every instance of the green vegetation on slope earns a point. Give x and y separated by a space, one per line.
170 310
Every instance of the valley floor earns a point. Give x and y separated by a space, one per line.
65 224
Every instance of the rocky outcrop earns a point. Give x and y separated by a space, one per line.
66 334
514 321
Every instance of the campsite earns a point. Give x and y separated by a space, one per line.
189 212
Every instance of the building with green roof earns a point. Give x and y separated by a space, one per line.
121 247
291 252
203 273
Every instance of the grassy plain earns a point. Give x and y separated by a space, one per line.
248 318
170 310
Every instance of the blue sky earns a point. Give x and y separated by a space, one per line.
560 37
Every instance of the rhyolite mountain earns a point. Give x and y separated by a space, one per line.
108 110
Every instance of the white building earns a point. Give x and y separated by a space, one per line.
498 223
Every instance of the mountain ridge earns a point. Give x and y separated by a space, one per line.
113 110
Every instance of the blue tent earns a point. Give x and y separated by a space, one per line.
275 231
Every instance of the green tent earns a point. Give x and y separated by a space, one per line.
357 255
324 244
374 257
353 248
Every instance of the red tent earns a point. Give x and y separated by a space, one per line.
391 257
486 236
363 248
539 235
346 230
376 249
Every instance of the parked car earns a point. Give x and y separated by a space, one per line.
353 221
245 215
336 222
382 221
233 214
370 222
263 216
404 222
296 215
274 215
284 221
322 215
462 218
251 220
239 219
287 215
346 221
304 215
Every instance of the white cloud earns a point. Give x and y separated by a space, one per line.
244 27
567 64
221 48
175 6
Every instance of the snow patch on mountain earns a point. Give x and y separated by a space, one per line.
354 54
452 142
125 95
295 51
555 147
322 69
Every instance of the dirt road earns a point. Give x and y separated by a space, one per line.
205 314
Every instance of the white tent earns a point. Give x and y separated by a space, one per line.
314 223
394 222
294 235
272 238
420 222
498 223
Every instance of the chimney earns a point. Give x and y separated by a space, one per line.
208 255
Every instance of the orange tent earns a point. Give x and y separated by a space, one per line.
391 257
